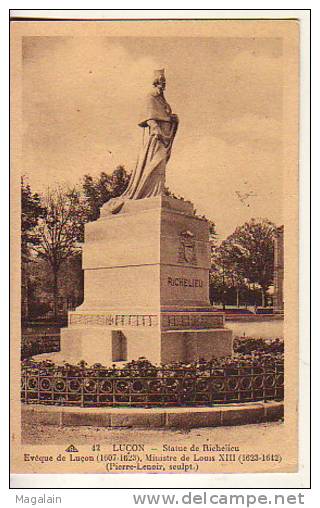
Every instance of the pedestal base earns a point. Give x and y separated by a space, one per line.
146 289
115 346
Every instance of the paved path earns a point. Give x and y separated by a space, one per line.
240 435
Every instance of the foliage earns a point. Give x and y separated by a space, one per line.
98 191
246 350
52 229
245 257
31 212
224 279
139 368
59 230
70 281
234 379
252 345
32 345
61 227
38 309
249 251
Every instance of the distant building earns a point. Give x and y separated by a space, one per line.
278 299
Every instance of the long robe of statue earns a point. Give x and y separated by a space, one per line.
160 126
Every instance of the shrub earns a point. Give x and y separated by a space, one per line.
250 345
38 309
143 368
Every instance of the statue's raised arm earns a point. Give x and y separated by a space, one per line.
160 127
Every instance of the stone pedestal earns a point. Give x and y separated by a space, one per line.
146 288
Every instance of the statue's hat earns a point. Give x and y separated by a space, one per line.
159 73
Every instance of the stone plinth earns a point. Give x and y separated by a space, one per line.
146 288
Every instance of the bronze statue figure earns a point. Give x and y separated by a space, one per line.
160 126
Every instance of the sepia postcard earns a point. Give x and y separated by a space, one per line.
154 246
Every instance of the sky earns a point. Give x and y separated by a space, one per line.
81 102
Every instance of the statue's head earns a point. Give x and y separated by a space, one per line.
159 80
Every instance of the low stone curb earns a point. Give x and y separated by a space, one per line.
153 418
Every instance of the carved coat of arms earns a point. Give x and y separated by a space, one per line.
187 248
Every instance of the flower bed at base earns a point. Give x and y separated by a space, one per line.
34 344
249 345
238 379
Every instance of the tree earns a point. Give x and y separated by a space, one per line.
31 212
224 276
57 235
225 282
70 286
98 191
60 230
247 254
